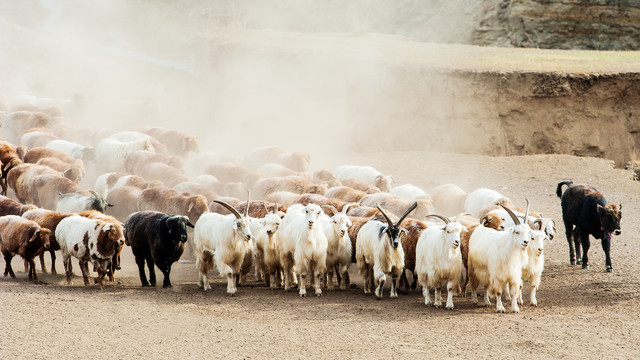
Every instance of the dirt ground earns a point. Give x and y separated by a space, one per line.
581 313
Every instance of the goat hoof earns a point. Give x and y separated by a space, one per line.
573 262
579 262
585 266
609 269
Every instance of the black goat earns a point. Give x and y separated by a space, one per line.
156 238
586 212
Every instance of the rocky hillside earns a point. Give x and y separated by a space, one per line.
560 24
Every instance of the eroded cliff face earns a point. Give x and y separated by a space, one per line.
560 24
529 113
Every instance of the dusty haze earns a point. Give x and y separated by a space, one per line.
158 63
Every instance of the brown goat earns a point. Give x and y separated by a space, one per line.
397 205
257 208
273 154
9 159
37 153
124 200
294 184
47 219
23 237
20 179
409 243
345 194
305 199
169 175
9 206
172 201
73 171
176 142
137 160
197 189
360 185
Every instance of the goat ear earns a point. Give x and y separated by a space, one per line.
35 235
189 224
599 208
234 226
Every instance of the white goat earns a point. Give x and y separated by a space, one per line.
340 249
224 239
408 191
439 260
379 252
266 256
448 199
482 198
75 150
302 236
496 259
111 153
533 268
367 174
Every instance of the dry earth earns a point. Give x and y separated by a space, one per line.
581 313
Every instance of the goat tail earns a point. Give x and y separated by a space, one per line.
559 188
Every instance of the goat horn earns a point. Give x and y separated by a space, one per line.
513 216
446 221
410 209
526 212
333 208
346 207
459 216
95 194
246 211
385 215
538 221
265 207
484 217
275 208
229 207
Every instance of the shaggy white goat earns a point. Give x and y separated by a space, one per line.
340 249
224 239
439 261
303 237
496 259
379 252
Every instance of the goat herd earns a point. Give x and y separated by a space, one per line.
150 186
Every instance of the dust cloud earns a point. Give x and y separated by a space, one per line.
238 74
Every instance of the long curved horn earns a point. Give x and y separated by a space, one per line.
346 207
446 221
95 194
229 207
410 209
332 208
457 218
526 212
538 221
246 211
385 215
513 216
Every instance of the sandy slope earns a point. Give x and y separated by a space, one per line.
582 313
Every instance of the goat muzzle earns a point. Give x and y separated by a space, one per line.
617 232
